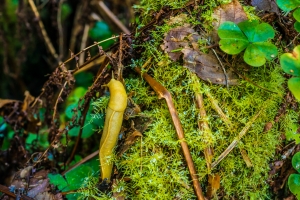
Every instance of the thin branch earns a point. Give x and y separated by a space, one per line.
83 42
203 126
114 19
44 33
60 30
164 93
57 99
236 141
217 108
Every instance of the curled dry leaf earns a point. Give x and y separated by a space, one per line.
207 67
184 40
177 39
265 6
233 12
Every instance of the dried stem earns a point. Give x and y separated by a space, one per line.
44 33
57 100
236 141
114 19
164 93
83 42
203 126
60 30
217 108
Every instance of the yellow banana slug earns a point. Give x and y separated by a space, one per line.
112 126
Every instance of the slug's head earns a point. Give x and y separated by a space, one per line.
118 96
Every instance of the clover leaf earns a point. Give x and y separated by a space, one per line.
294 179
288 5
249 35
290 63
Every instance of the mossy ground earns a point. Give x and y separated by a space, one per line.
155 164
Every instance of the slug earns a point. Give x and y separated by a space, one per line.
112 126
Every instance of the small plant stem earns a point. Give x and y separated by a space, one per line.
208 151
44 33
101 70
113 18
217 108
83 42
57 100
203 126
223 68
164 93
236 141
60 30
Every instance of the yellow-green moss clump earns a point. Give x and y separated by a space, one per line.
156 165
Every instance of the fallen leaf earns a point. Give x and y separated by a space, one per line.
6 101
207 67
265 6
214 184
233 12
177 39
129 141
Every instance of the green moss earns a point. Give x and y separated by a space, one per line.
156 165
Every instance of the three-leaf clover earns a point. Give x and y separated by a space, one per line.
294 179
249 35
290 63
288 5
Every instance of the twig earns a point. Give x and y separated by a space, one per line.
113 18
203 125
44 33
217 108
60 30
83 42
120 65
223 68
57 99
86 108
236 141
164 93
82 161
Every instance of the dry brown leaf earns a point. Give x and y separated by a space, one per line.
177 39
265 6
214 183
130 140
227 12
6 101
207 67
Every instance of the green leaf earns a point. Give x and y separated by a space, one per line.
294 184
292 134
58 180
290 62
297 26
76 177
65 11
257 53
294 86
233 40
287 5
263 32
88 130
247 27
84 79
296 162
296 14
69 110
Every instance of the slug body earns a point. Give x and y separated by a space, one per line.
112 126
